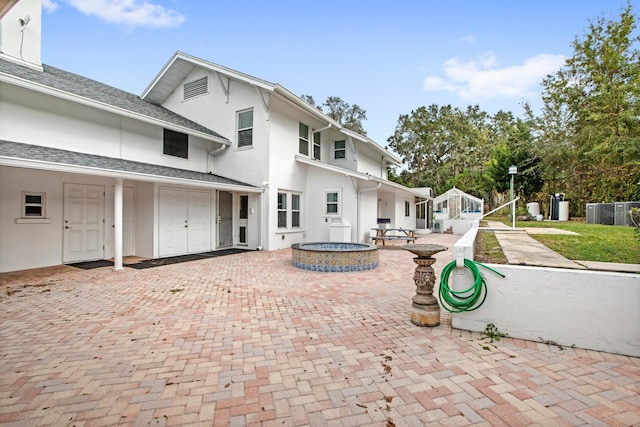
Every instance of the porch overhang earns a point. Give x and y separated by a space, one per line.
13 154
364 177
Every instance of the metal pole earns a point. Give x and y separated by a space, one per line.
513 206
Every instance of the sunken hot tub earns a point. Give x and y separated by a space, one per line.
334 256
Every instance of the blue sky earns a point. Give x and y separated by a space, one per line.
389 57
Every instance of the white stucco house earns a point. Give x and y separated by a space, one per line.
206 158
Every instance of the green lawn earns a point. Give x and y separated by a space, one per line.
606 243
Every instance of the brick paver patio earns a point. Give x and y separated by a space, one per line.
250 340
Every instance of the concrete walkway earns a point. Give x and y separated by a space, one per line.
249 340
521 249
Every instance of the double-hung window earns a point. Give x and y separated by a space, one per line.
33 205
282 210
303 139
245 128
333 202
340 150
316 145
295 210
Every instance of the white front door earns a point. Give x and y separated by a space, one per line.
173 222
83 236
184 221
199 221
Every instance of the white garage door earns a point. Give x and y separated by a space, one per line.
185 222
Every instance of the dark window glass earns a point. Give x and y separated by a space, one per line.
176 144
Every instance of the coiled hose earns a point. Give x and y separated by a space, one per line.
466 300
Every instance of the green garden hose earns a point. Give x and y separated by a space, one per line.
466 300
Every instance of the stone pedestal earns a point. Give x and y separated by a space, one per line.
425 310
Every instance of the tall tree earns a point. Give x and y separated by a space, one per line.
349 116
442 147
589 129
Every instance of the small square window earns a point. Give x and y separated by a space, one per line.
176 144
33 205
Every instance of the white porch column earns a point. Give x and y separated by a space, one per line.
117 224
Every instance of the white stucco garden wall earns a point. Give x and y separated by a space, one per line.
588 309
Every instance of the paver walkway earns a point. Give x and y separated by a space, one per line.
248 339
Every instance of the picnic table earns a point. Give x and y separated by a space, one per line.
382 235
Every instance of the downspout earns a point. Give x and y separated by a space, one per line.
358 205
213 153
323 129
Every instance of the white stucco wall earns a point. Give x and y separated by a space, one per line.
588 309
34 245
39 119
23 44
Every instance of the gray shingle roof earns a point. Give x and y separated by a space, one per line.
100 92
21 151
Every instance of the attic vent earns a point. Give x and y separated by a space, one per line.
196 87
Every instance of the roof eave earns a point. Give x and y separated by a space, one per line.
48 90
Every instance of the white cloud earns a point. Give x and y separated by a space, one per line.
483 78
468 38
49 6
131 13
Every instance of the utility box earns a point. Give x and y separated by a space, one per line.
621 213
340 231
608 213
594 213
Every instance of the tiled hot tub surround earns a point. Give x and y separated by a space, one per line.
335 257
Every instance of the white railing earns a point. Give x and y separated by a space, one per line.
502 206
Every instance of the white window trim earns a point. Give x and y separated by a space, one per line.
335 150
42 204
306 139
238 129
314 145
339 202
289 210
407 207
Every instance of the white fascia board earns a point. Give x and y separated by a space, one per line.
133 176
336 169
400 187
370 142
304 105
47 90
360 175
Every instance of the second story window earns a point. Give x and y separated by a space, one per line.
176 144
245 128
316 145
303 140
340 150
